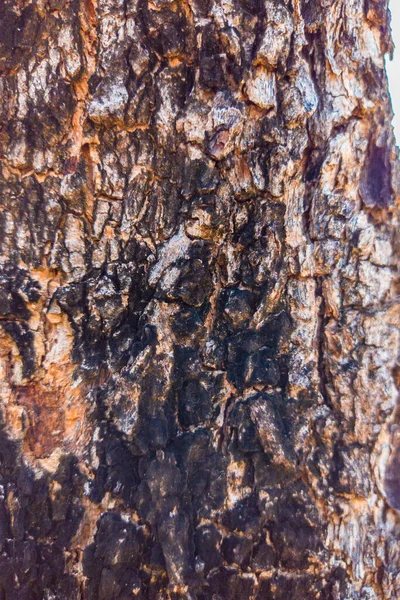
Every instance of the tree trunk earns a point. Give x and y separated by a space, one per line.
198 306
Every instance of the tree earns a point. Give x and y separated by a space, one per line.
198 307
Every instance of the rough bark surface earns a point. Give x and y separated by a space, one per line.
198 301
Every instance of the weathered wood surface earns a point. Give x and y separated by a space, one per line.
199 324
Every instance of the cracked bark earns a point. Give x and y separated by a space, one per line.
198 313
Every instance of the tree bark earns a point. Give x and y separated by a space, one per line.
199 325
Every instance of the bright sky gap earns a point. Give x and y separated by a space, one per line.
393 67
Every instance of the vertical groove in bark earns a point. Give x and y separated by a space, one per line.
198 302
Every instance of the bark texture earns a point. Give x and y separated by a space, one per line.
198 301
